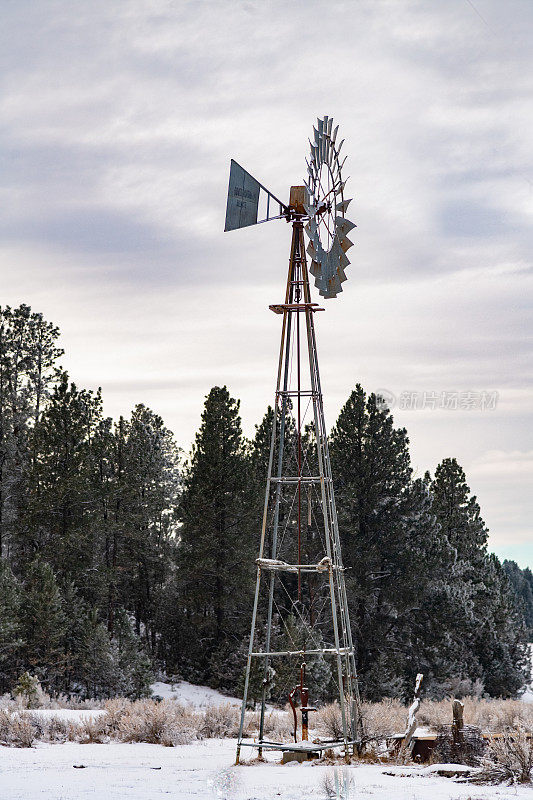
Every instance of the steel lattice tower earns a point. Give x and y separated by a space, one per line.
299 568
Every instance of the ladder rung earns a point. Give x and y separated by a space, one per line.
282 566
295 393
301 479
342 651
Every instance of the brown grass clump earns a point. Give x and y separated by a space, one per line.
219 722
91 730
380 720
16 730
115 710
328 721
169 723
54 729
490 715
166 723
278 724
509 759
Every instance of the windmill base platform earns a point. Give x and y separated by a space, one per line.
300 751
299 755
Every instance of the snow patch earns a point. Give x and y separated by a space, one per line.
190 694
205 770
66 714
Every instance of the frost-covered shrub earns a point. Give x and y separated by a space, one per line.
16 730
509 759
279 725
59 730
61 701
380 720
219 722
497 715
53 728
488 714
328 721
93 730
7 702
5 727
22 732
115 710
166 723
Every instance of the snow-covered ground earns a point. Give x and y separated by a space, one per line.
206 770
198 696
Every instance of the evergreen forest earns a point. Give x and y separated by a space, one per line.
124 557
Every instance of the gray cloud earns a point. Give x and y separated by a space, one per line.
118 122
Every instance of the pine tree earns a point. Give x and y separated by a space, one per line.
59 522
97 668
28 354
260 451
10 629
133 665
217 538
488 635
144 524
372 472
521 581
73 640
43 625
458 513
500 636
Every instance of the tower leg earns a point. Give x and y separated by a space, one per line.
284 354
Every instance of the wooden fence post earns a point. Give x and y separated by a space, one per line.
458 723
411 720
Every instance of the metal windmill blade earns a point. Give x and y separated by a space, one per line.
328 226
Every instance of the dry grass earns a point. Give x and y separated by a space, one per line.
16 730
115 710
489 715
219 722
328 721
169 723
43 700
509 759
380 720
278 724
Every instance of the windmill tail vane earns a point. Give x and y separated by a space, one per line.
300 615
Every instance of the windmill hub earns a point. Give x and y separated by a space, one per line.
298 200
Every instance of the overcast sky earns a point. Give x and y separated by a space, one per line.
118 121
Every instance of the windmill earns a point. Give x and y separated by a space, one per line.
300 621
